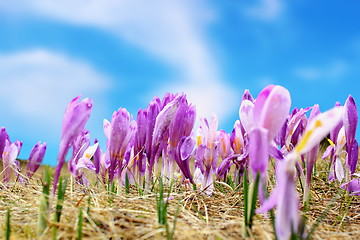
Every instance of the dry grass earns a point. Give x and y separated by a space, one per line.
131 216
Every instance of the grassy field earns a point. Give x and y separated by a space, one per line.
190 214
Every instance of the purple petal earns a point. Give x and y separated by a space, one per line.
97 157
224 139
3 137
352 186
258 150
354 157
36 156
247 96
246 115
75 118
328 151
350 119
275 153
186 147
271 109
164 118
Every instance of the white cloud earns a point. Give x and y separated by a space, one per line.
36 85
266 10
174 31
332 71
208 98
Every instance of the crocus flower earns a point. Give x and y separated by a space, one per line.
182 156
350 124
295 128
10 153
161 129
207 153
352 186
79 145
153 111
246 114
334 151
97 157
311 157
122 131
225 151
318 129
258 150
139 142
335 131
85 162
271 109
247 96
181 127
3 137
76 115
36 156
284 195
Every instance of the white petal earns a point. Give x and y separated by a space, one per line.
340 142
339 170
90 151
318 128
246 114
107 128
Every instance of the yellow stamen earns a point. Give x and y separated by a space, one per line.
307 136
331 142
198 140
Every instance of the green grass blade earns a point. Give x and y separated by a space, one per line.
253 199
80 223
8 225
246 192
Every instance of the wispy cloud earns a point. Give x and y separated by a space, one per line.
36 86
174 31
331 71
266 10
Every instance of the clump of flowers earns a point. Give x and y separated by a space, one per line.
162 139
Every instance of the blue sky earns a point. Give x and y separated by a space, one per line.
122 53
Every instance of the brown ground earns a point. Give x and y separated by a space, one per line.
131 216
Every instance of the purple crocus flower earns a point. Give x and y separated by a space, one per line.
271 109
183 154
350 123
352 186
246 114
334 150
284 195
10 153
225 151
237 139
18 144
258 151
335 131
295 127
36 156
79 145
76 115
84 162
311 157
3 137
122 131
179 132
247 96
97 157
139 141
160 134
152 112
206 159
